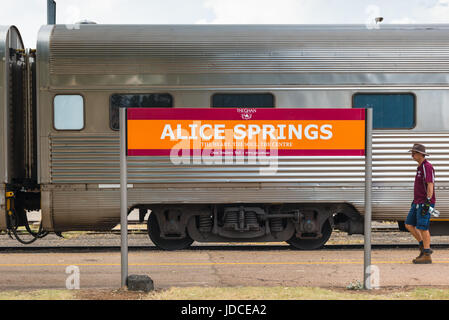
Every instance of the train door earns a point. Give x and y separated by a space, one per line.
17 126
10 44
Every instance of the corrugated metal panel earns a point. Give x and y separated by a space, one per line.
95 159
138 50
74 208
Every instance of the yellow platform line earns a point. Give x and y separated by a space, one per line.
162 264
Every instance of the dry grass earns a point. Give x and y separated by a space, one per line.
254 293
297 293
38 295
234 293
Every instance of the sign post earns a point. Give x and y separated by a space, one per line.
368 186
123 198
132 282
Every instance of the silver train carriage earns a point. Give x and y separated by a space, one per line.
60 138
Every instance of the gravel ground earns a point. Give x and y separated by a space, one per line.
383 234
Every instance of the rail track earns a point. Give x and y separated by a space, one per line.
210 247
93 241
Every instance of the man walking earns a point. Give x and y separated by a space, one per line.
418 218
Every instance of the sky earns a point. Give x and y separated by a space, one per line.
30 15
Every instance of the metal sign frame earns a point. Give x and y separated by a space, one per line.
368 198
124 197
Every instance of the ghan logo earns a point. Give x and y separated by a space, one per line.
247 113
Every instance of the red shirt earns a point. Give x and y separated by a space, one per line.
424 174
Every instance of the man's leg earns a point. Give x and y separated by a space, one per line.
427 252
410 224
425 235
417 234
411 221
422 225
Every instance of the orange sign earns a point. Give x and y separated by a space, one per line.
162 132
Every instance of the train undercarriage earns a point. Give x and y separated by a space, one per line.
305 227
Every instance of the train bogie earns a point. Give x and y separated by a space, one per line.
303 226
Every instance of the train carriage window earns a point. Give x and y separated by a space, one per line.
153 100
243 100
68 112
390 110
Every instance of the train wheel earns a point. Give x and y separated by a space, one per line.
166 244
312 244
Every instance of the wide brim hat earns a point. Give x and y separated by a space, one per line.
419 148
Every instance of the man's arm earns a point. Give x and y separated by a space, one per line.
429 178
429 190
